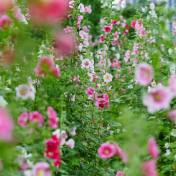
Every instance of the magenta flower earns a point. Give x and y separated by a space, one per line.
41 169
120 173
6 125
157 99
133 24
36 117
144 74
153 147
107 29
149 168
172 115
106 150
22 119
90 91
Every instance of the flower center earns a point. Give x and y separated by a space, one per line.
106 152
40 173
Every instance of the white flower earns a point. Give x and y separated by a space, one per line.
167 145
81 7
167 152
107 77
28 173
111 132
153 84
144 9
130 86
173 133
73 98
23 91
170 51
86 64
3 102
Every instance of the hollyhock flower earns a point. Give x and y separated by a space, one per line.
106 150
71 4
22 119
73 98
116 36
149 168
5 5
120 173
17 13
153 147
172 84
143 33
36 117
102 100
138 25
52 118
157 99
144 74
133 24
41 169
56 72
73 133
172 115
3 102
107 77
70 143
102 39
86 63
65 44
48 12
90 91
23 164
28 16
113 22
118 150
5 22
6 125
81 7
23 91
152 6
44 65
107 29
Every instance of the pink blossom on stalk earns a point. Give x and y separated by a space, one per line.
41 169
116 36
133 24
86 64
118 150
172 84
107 29
81 7
143 33
36 117
144 74
70 143
52 117
107 77
153 147
113 22
157 99
71 4
23 91
5 5
120 173
56 72
5 22
172 115
152 6
106 150
138 25
90 91
149 168
102 39
22 119
6 125
17 13
73 133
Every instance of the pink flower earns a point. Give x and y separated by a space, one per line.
73 133
48 12
56 72
149 168
138 25
107 77
81 7
36 117
44 65
5 5
41 169
70 143
172 84
133 24
113 22
107 29
106 150
23 91
157 99
120 173
172 115
6 125
102 39
86 64
22 119
5 22
17 13
143 33
116 36
144 74
153 148
152 6
52 118
90 91
118 150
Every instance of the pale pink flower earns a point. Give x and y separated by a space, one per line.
144 74
116 36
70 143
152 6
153 147
6 125
71 4
138 25
172 84
172 115
86 64
41 169
17 13
143 33
118 150
52 117
23 91
107 77
5 22
73 98
157 99
73 133
22 119
120 173
28 16
149 168
81 7
107 29
106 150
36 117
